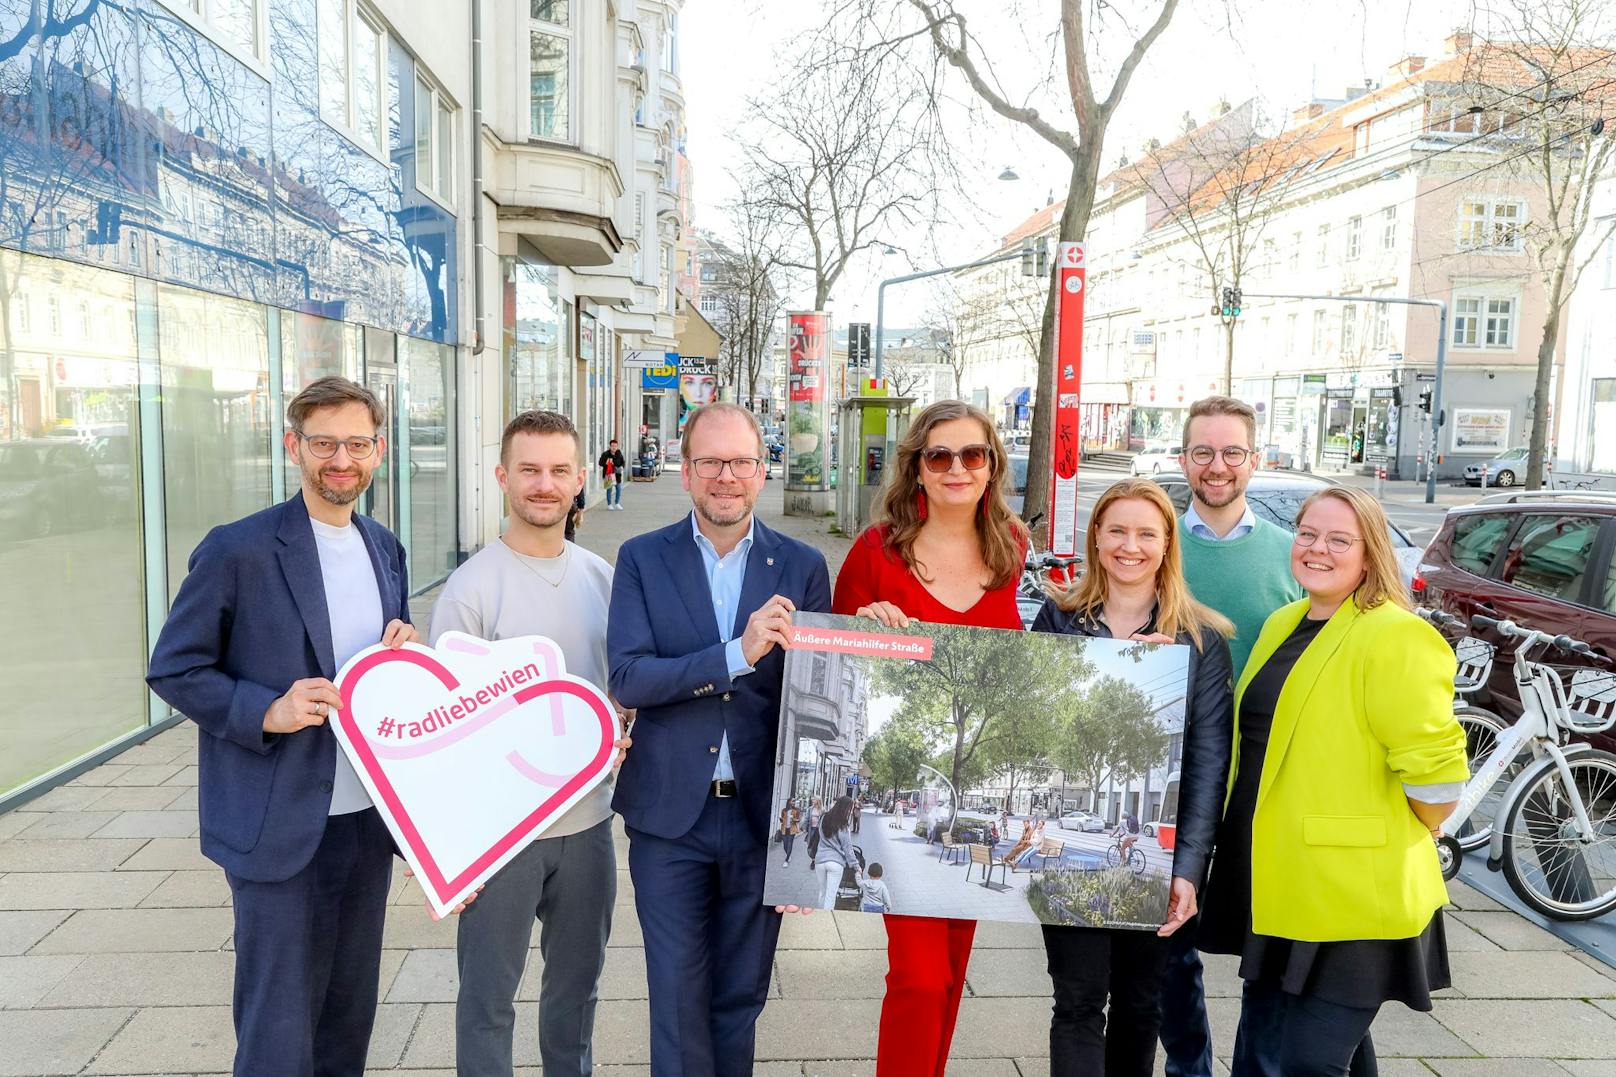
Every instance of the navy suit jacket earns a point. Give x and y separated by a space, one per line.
249 620
667 662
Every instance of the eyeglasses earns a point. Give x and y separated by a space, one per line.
938 459
324 448
1233 455
710 467
1335 541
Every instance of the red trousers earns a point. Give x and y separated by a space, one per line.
926 959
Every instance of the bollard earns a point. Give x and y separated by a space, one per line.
1380 484
1419 466
1484 478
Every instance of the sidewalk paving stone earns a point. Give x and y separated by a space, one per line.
65 854
1498 1067
104 775
70 797
828 974
149 775
24 981
170 1039
189 890
19 930
141 798
819 1028
110 931
169 854
1529 1028
48 1042
1506 930
1527 974
151 824
136 979
65 824
77 889
1462 895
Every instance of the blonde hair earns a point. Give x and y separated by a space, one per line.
1002 535
1176 609
1382 581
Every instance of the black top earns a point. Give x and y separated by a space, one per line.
1363 972
616 458
1208 719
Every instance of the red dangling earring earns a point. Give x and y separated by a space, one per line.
920 504
983 506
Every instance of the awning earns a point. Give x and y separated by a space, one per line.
1019 397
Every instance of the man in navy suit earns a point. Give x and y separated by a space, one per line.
700 616
273 606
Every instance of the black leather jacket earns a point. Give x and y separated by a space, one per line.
1208 736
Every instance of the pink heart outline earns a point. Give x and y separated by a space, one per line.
427 867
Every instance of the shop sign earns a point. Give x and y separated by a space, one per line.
662 377
1313 384
1480 429
644 360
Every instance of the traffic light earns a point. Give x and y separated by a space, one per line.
1425 399
1231 303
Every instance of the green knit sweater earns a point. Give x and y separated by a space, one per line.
1245 579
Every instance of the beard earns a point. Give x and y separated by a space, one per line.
538 515
339 497
1217 499
722 517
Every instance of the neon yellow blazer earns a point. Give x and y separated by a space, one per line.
1336 851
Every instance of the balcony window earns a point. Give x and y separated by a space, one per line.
1484 322
1490 224
550 70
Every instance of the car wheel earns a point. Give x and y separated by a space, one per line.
44 525
1155 469
1505 478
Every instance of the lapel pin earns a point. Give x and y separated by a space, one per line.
768 561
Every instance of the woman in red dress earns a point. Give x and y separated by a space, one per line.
947 549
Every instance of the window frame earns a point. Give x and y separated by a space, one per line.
1388 228
196 14
1488 222
566 33
438 105
1323 234
1470 327
1354 237
347 124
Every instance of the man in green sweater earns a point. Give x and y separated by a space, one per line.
1240 565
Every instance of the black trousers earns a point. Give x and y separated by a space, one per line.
1090 967
1285 1035
308 956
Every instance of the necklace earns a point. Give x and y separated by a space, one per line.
527 563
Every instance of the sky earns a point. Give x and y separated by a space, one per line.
1214 50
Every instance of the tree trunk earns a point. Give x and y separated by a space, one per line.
1540 392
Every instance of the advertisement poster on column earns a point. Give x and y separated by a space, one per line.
1065 536
807 416
698 384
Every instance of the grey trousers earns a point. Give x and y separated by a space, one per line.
569 885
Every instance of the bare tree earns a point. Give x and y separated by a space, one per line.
1080 137
904 369
748 286
1218 186
842 154
959 323
1545 87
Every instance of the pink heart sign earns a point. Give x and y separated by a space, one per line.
471 750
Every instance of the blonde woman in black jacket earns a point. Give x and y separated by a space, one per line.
1134 589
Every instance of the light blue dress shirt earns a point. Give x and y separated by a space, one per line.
724 578
1197 526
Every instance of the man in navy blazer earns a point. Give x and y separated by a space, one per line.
274 604
700 617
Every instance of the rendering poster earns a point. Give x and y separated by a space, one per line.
977 773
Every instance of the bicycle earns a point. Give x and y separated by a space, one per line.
1114 855
1035 575
1555 832
1482 727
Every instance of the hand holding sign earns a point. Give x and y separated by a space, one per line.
471 751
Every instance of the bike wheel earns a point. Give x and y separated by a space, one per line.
1552 869
1482 729
1136 861
1112 858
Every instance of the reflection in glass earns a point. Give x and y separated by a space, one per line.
70 552
423 134
315 348
367 84
550 11
431 417
381 378
541 371
217 427
548 87
236 21
333 34
445 153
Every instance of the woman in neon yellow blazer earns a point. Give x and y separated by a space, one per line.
1347 759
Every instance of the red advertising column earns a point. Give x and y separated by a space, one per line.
1065 435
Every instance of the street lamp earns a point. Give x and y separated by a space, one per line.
1008 174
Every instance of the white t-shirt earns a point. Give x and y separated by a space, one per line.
353 601
500 594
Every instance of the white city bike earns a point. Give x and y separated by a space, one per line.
1554 834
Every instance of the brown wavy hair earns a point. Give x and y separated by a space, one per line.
1176 609
1382 581
1002 535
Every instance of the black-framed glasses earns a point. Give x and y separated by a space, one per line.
710 467
1334 541
1233 455
324 448
938 459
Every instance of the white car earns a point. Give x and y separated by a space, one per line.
1084 821
1153 461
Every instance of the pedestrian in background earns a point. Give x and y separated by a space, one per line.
835 849
1238 564
790 827
272 607
612 473
876 896
947 549
700 619
531 582
1107 982
1326 883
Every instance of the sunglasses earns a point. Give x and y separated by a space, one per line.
938 459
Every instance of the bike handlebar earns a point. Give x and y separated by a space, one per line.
1531 637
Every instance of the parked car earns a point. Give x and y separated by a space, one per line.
1541 560
1017 491
1018 440
47 485
1083 821
1274 456
1505 469
1277 496
1154 461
